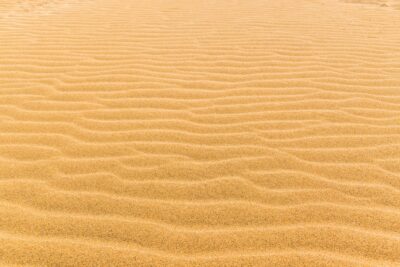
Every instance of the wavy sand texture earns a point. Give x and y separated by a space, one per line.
199 133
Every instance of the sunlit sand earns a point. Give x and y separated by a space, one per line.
199 133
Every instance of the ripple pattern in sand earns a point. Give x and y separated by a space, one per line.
199 133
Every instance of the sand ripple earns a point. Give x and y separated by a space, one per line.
200 133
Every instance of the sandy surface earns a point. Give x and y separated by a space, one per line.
199 133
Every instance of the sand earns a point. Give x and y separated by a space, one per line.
199 133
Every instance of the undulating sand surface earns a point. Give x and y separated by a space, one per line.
199 133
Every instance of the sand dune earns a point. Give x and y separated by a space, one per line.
199 133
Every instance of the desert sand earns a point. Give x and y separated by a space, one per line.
199 133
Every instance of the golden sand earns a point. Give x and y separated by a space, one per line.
199 133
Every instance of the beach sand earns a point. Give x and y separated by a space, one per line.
199 133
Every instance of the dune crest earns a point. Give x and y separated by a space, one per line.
199 133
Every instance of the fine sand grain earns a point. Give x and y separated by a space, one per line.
200 133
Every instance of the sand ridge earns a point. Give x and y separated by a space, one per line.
199 133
